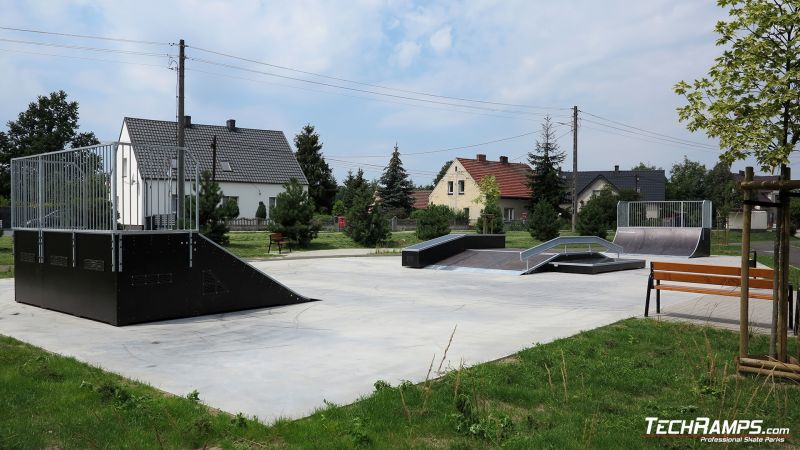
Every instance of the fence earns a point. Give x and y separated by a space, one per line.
107 187
242 224
670 214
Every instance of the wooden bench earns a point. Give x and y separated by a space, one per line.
279 240
723 277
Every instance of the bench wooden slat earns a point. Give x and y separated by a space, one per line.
757 272
724 292
718 280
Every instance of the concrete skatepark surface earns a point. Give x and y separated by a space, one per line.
376 320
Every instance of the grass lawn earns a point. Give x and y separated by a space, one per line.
592 390
6 257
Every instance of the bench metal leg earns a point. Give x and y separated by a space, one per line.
790 300
647 299
658 298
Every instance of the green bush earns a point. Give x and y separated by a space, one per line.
593 220
543 222
261 211
213 212
433 221
338 208
496 226
293 214
367 223
459 216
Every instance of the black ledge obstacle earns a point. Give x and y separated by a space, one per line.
97 235
437 249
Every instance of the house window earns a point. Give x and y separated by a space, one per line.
508 213
124 167
449 188
226 166
272 202
174 203
460 187
466 212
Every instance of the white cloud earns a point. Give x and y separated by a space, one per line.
404 53
442 40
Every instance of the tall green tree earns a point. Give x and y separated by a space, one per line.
353 184
644 167
722 190
394 186
545 179
749 99
367 223
212 211
293 214
687 181
442 172
599 214
321 183
49 124
489 197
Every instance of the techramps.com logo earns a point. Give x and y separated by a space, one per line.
715 430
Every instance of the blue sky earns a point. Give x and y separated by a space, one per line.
615 59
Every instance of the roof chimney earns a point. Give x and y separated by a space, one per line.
616 168
504 159
231 124
481 157
187 121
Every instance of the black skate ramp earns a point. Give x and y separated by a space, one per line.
123 279
688 242
490 259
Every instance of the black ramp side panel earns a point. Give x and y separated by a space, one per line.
689 242
156 282
86 288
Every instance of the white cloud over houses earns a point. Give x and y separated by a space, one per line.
618 59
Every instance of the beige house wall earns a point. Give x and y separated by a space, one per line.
519 206
455 200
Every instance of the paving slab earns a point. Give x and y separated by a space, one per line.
376 320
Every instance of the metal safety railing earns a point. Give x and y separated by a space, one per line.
104 188
569 240
670 214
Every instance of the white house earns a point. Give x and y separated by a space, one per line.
251 165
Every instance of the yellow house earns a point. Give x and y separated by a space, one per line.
458 188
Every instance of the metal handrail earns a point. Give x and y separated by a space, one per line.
568 240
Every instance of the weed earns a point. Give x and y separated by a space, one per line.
239 420
381 385
358 431
194 396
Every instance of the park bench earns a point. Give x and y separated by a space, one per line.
724 279
279 240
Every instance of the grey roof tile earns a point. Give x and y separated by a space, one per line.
256 156
652 183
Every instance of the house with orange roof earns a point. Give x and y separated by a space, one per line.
458 188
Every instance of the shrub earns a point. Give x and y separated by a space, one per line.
496 226
213 212
543 222
338 208
459 216
592 220
433 221
366 222
293 214
261 211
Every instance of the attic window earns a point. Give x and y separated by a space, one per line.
226 166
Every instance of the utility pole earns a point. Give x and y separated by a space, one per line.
181 181
214 158
574 167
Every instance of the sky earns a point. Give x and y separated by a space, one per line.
618 60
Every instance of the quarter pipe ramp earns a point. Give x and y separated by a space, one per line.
689 241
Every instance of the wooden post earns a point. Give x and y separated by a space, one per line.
783 310
744 303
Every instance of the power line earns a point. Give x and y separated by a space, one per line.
450 148
375 99
81 57
321 83
80 47
86 36
643 139
647 131
677 142
485 102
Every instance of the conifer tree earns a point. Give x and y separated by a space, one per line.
394 187
321 183
545 179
